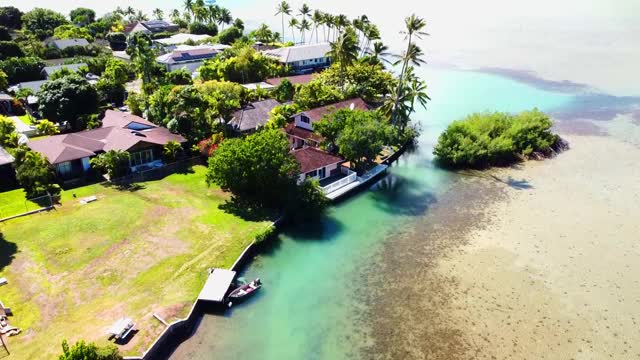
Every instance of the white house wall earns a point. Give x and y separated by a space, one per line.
301 124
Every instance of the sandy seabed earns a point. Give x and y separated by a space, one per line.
540 261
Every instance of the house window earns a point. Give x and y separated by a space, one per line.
64 168
141 157
304 119
322 173
311 174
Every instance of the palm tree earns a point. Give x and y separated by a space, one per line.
359 24
129 11
143 58
328 22
305 25
370 32
263 33
344 51
158 13
379 52
225 17
293 24
317 19
417 91
305 10
283 9
213 12
201 14
188 6
414 27
140 16
175 15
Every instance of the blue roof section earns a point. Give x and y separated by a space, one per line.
186 56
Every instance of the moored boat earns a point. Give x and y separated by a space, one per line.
244 291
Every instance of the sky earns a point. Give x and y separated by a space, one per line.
586 41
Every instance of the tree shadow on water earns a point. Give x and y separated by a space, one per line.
8 251
402 196
514 184
324 229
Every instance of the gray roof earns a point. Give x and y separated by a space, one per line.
5 157
65 43
158 25
300 52
253 115
73 67
33 85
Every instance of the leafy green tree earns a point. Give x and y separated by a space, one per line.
242 65
280 115
136 103
361 79
199 28
41 22
229 35
22 69
116 70
284 91
362 138
34 173
68 99
487 139
4 81
117 40
10 49
10 17
59 74
4 34
257 169
263 34
46 127
82 16
179 77
69 31
8 135
110 91
88 351
115 163
316 93
171 150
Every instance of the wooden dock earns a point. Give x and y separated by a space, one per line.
217 286
360 181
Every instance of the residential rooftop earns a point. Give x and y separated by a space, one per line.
317 113
120 131
291 54
65 43
185 53
295 80
48 70
253 115
311 158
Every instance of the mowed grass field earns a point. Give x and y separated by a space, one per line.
75 270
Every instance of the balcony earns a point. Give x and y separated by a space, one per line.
338 181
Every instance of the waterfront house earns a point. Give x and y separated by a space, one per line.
327 168
300 131
302 59
189 57
65 43
69 154
252 116
150 27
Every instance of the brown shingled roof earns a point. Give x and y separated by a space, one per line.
67 147
295 80
311 158
317 113
301 133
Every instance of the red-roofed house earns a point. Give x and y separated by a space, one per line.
300 131
70 153
325 167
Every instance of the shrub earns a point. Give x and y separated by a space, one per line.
486 139
179 77
4 81
229 35
34 173
114 163
46 127
41 22
9 49
199 28
22 69
88 351
10 17
284 91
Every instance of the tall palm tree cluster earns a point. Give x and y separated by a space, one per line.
131 14
316 26
199 11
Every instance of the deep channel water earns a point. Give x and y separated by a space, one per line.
307 308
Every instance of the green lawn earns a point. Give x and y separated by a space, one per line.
75 270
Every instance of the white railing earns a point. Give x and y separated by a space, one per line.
340 183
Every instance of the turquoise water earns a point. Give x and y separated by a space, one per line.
306 309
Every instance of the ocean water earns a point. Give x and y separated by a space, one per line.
307 308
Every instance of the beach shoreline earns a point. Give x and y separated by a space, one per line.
534 260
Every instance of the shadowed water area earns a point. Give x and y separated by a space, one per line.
360 282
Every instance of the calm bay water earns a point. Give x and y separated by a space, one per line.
307 308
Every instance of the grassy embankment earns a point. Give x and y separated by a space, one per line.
75 270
